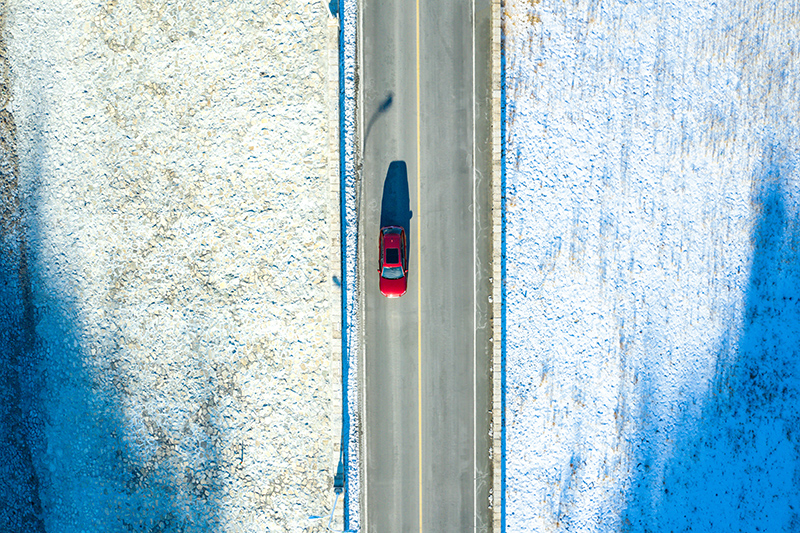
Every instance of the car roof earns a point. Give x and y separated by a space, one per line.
391 240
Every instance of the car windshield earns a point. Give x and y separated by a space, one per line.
392 272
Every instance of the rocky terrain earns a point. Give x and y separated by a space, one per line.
168 257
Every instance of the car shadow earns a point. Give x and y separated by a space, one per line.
395 203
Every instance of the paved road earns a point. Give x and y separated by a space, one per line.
424 81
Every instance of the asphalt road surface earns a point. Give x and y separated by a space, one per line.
424 103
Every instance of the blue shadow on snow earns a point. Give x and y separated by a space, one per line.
737 467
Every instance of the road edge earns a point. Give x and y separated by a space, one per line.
498 271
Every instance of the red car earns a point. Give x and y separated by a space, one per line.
393 261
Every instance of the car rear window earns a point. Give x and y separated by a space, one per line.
392 256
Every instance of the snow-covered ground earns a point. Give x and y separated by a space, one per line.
168 253
351 328
653 269
169 264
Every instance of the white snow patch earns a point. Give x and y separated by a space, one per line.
349 173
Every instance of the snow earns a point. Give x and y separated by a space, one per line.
169 245
351 312
167 267
652 172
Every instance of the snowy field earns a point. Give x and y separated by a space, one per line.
168 260
653 267
168 254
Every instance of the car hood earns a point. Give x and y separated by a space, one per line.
393 287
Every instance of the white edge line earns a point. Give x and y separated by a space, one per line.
474 293
417 38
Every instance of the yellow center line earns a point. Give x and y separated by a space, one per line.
419 289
